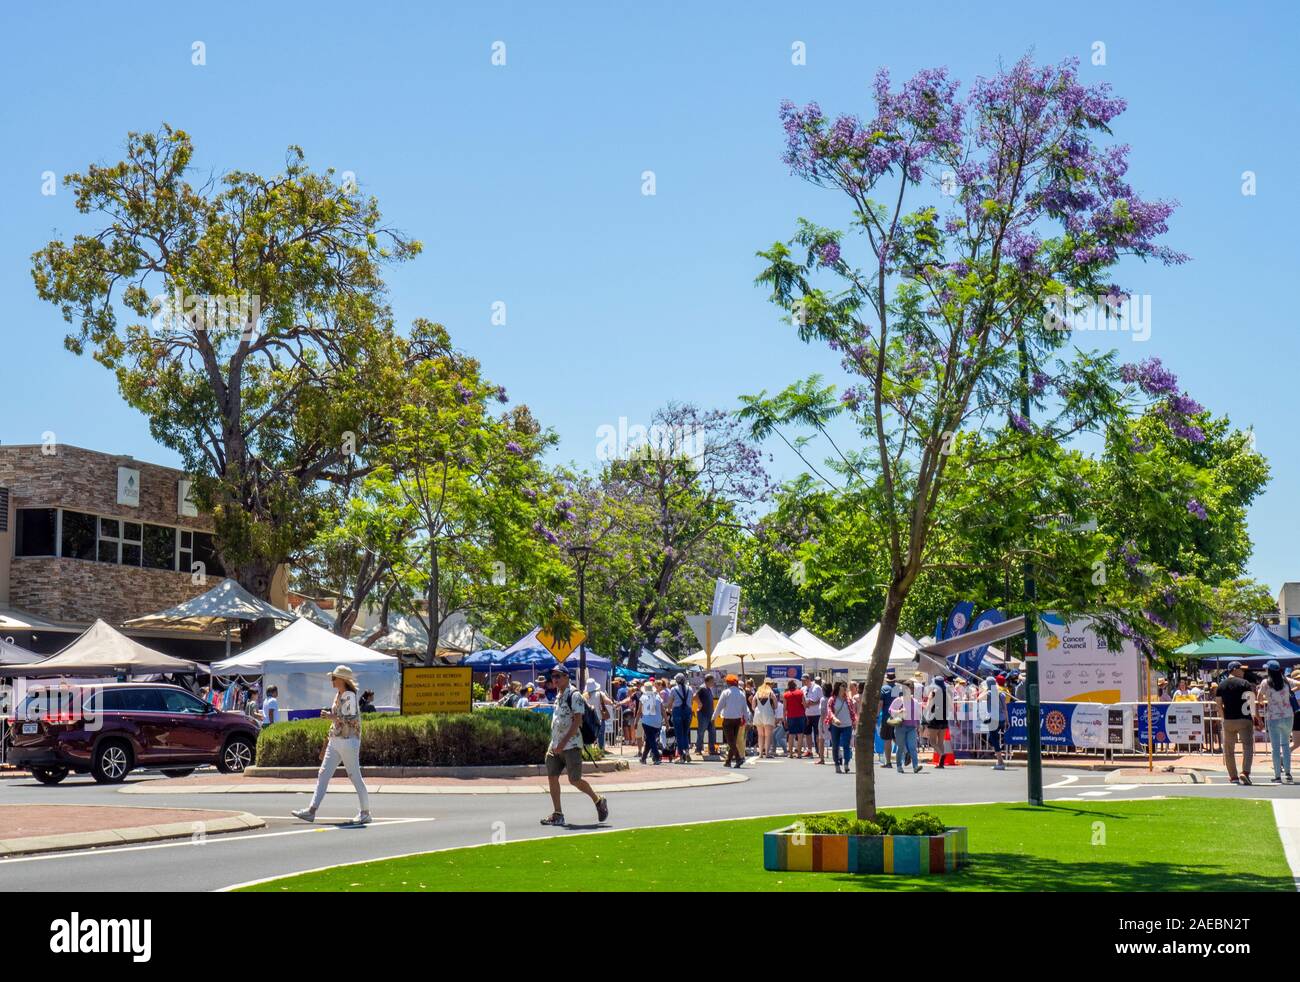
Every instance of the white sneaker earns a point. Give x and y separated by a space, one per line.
306 814
363 818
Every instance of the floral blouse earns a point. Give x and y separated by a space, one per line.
345 717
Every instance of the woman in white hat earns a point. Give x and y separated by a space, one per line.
344 744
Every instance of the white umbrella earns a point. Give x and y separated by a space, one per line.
731 653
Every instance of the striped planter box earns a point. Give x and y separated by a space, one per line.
907 855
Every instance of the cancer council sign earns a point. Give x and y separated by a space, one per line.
1076 665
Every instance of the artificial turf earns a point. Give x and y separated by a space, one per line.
1172 844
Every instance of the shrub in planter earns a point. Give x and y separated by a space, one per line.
916 845
493 737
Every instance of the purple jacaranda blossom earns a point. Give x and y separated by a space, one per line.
1151 377
1019 422
501 394
1038 383
1194 507
463 394
514 448
829 254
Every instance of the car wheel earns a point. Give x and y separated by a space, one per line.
178 771
49 775
237 754
112 762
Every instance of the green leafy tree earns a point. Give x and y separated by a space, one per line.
257 339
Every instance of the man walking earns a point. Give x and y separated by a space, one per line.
704 695
734 711
565 751
812 707
1236 699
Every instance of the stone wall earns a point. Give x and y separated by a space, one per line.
84 480
79 590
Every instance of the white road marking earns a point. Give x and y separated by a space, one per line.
1065 781
219 839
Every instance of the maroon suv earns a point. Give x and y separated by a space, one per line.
106 730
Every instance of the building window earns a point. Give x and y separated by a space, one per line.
205 552
119 542
78 535
113 540
36 532
159 547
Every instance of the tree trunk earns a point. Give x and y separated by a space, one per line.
431 600
865 748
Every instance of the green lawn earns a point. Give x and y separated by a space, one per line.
1200 844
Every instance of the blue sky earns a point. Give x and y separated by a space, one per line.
524 181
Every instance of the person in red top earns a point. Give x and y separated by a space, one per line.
796 718
499 686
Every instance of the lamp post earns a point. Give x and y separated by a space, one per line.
581 554
1033 707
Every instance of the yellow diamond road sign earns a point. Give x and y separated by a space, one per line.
561 649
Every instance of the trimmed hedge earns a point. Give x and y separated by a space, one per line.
922 823
489 737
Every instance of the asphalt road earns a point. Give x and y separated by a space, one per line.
407 823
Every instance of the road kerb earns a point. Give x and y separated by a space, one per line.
27 845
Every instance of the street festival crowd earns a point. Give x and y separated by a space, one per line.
802 719
667 720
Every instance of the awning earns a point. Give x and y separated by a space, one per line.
943 650
101 650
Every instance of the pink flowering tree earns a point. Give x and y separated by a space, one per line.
978 223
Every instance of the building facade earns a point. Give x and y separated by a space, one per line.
87 535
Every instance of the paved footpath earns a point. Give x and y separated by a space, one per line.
39 828
408 823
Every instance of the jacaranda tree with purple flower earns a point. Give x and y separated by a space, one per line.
971 215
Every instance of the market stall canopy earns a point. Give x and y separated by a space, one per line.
101 650
818 648
1218 645
655 661
11 654
458 634
529 653
298 660
306 647
902 652
1254 650
537 660
406 636
312 611
227 601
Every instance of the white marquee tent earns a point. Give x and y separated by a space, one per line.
299 659
902 655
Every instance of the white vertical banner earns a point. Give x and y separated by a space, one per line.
726 600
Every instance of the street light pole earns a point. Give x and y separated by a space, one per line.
1033 708
580 554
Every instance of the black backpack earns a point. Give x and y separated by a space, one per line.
590 727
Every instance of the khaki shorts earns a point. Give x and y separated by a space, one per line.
566 760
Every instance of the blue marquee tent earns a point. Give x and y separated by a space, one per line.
1261 639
